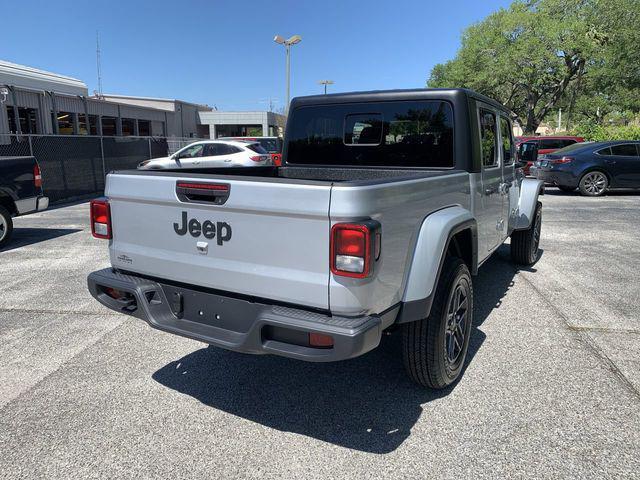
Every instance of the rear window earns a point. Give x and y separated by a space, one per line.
256 147
393 134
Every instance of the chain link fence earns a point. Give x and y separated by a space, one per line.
76 166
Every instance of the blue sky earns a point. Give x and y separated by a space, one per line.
223 54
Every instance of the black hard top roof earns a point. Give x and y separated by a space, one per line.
395 95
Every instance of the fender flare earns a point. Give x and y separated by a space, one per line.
530 189
432 243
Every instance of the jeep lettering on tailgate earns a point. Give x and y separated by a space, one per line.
208 229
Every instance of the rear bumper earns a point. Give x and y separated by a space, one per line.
553 177
235 323
32 204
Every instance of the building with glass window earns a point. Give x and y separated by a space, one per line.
216 124
41 102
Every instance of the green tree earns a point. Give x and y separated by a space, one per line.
537 56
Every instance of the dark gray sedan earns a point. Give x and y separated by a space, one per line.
592 167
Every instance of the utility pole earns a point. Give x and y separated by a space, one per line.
98 62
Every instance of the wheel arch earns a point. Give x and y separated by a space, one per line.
7 202
450 230
530 190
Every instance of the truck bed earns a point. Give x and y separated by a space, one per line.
273 228
305 175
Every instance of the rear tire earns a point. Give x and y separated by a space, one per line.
434 349
593 184
6 227
525 244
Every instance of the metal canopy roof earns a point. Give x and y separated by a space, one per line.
22 76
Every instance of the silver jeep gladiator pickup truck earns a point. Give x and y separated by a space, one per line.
385 206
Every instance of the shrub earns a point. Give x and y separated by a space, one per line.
598 133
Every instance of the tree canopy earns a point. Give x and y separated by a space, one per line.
538 56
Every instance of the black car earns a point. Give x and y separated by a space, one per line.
20 192
592 167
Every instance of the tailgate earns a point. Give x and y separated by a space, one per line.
269 239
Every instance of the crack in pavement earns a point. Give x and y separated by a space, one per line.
582 334
578 328
4 404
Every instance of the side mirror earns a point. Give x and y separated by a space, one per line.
527 153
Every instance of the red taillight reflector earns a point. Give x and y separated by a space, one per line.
101 218
114 293
351 248
277 159
320 340
204 186
258 158
37 176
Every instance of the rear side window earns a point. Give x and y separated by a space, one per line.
624 150
567 142
393 134
212 149
489 138
256 147
270 145
549 143
507 141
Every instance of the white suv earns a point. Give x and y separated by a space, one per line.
212 154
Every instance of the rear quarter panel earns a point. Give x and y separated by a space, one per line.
400 207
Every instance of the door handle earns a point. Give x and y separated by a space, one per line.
610 162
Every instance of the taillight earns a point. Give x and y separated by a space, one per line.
320 340
562 160
101 218
354 246
258 158
277 159
37 176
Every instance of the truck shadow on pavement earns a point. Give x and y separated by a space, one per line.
367 403
23 237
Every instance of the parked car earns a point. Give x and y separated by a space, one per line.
546 144
592 167
212 154
20 192
273 145
409 191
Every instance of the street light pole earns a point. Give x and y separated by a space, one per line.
287 45
288 49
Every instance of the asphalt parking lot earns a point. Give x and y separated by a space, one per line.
551 390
